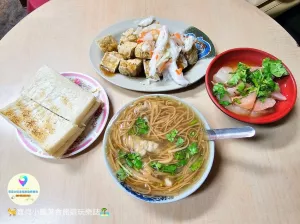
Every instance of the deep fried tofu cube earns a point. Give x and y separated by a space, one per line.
111 61
107 44
131 67
127 49
128 36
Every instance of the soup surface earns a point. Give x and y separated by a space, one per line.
157 146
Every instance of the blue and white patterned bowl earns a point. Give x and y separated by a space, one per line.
159 199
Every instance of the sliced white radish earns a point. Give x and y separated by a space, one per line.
222 76
268 103
233 91
262 112
226 98
278 96
238 110
248 101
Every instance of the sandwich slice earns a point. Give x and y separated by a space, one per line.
51 132
61 96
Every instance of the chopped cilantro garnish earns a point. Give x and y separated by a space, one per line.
182 163
180 141
273 67
224 102
121 174
219 90
194 121
121 154
193 148
171 136
165 168
140 127
182 154
237 100
132 159
241 87
197 164
239 75
192 133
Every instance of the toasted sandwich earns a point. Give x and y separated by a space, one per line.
51 132
61 96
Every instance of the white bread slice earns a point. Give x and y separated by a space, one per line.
62 150
47 129
59 95
92 111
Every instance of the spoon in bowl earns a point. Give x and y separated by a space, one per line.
228 133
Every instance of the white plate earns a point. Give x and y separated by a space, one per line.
94 127
206 55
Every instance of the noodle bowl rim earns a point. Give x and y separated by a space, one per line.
191 189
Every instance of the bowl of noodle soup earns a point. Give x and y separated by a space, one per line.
155 148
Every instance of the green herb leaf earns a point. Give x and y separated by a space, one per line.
180 141
193 148
263 82
197 164
194 121
169 168
140 127
121 154
179 155
241 87
224 102
171 136
273 67
235 78
192 133
129 163
156 165
138 164
121 175
237 100
182 163
240 74
219 90
132 159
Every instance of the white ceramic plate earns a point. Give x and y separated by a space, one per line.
159 199
94 127
206 52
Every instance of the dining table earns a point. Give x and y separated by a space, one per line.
253 180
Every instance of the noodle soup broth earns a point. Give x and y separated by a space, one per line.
157 146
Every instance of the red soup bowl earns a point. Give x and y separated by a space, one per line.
253 57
